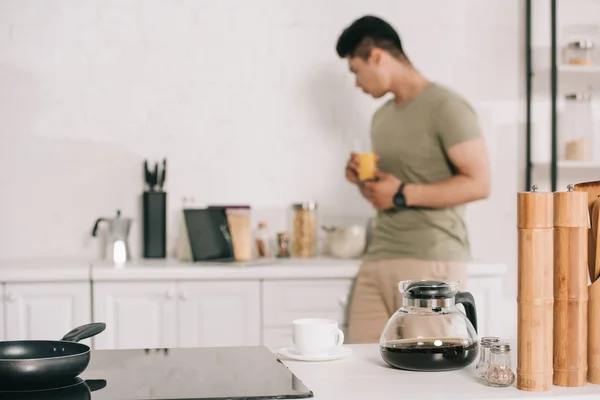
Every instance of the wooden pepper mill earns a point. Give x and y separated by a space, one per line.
570 288
535 290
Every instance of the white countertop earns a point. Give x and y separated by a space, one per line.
44 270
154 270
364 375
270 269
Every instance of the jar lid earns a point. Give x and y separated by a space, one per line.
500 348
582 44
578 96
310 205
428 289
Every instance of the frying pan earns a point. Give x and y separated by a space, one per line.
38 361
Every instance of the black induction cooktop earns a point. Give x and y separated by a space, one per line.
183 373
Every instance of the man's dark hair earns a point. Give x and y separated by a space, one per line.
366 33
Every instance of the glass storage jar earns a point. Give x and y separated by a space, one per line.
577 128
579 52
283 245
304 229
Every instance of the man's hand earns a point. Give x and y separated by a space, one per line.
352 168
381 193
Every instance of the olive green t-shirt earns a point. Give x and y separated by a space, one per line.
412 140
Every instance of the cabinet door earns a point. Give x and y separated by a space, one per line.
219 313
46 311
137 315
276 338
488 301
285 301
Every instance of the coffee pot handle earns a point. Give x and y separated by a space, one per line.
95 229
467 300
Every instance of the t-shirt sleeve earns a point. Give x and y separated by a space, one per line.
456 122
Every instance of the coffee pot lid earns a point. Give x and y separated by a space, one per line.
428 289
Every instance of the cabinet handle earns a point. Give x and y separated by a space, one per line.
169 294
344 301
10 297
184 295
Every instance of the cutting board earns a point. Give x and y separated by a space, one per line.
593 191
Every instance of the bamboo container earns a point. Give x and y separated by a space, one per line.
592 189
593 356
535 290
570 288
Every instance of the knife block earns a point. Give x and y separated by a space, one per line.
535 291
570 288
154 221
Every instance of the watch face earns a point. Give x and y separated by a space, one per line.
399 199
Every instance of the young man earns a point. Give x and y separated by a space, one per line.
432 161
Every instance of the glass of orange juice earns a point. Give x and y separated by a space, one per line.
367 160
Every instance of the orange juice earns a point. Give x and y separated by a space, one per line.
367 163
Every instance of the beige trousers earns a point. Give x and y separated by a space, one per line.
375 296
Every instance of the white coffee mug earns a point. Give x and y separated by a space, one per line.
316 337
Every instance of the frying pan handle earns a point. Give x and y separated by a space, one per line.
84 332
95 384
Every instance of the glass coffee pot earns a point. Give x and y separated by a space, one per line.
429 333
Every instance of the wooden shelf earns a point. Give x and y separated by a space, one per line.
572 164
579 69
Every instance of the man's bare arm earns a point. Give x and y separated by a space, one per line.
471 183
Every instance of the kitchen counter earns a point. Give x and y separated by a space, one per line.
319 268
364 375
44 270
168 303
38 270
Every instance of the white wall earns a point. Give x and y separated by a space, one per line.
575 19
246 99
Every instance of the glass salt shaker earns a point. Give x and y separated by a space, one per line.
499 373
484 358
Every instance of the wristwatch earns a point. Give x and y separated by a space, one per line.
399 199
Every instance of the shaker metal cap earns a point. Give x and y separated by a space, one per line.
499 348
488 341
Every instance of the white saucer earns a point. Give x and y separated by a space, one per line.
336 353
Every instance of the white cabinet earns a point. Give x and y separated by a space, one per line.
177 314
137 315
287 300
219 314
2 324
45 311
489 302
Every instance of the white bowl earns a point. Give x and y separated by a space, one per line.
347 242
